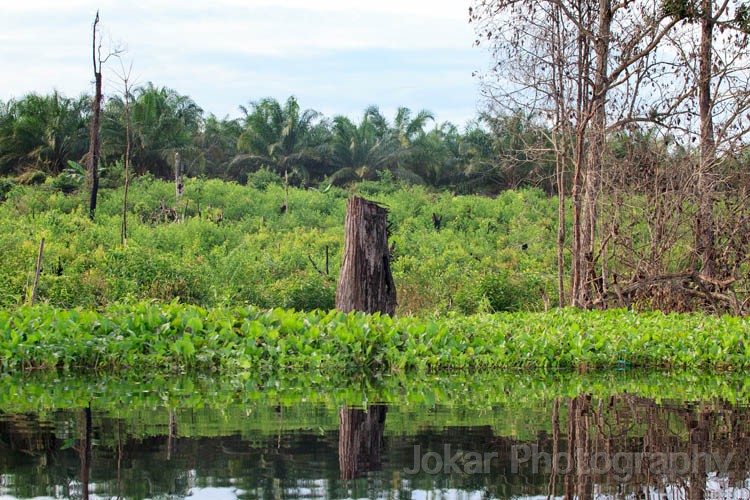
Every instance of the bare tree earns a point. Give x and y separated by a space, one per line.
125 76
96 109
591 67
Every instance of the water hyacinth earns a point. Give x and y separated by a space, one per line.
177 337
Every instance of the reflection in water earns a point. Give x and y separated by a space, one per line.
582 447
360 440
635 447
84 449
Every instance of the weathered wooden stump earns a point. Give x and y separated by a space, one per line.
365 282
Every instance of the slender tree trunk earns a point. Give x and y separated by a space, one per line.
594 159
560 144
177 184
127 166
560 227
365 282
96 108
37 272
705 184
576 262
579 166
286 190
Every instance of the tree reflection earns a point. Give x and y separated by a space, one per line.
84 449
628 445
360 440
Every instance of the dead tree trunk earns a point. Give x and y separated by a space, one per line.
365 282
126 82
178 185
96 108
705 244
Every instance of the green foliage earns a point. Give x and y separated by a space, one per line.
71 178
31 177
6 185
45 132
236 245
263 177
162 121
175 337
42 132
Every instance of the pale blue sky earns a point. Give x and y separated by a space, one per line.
336 56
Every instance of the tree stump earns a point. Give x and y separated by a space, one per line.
365 282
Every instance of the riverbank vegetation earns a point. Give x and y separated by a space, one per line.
176 338
613 177
233 245
432 176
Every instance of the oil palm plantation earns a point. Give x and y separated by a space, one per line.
162 122
281 137
361 151
42 132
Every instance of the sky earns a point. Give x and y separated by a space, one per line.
335 56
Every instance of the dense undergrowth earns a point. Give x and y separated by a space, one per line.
178 338
235 245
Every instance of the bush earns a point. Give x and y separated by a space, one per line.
32 177
67 182
499 292
305 292
6 185
263 177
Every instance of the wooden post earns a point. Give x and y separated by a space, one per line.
365 282
38 272
177 180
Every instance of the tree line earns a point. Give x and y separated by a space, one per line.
45 132
493 153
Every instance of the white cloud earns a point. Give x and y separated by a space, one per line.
252 47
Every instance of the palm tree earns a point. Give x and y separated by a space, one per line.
360 152
162 122
281 137
217 142
410 129
418 152
42 132
434 158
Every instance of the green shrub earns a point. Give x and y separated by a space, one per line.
32 177
67 182
263 177
305 292
6 185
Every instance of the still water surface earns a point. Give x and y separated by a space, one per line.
583 438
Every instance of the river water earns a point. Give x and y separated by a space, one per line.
446 438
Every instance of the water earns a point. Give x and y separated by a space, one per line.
501 436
